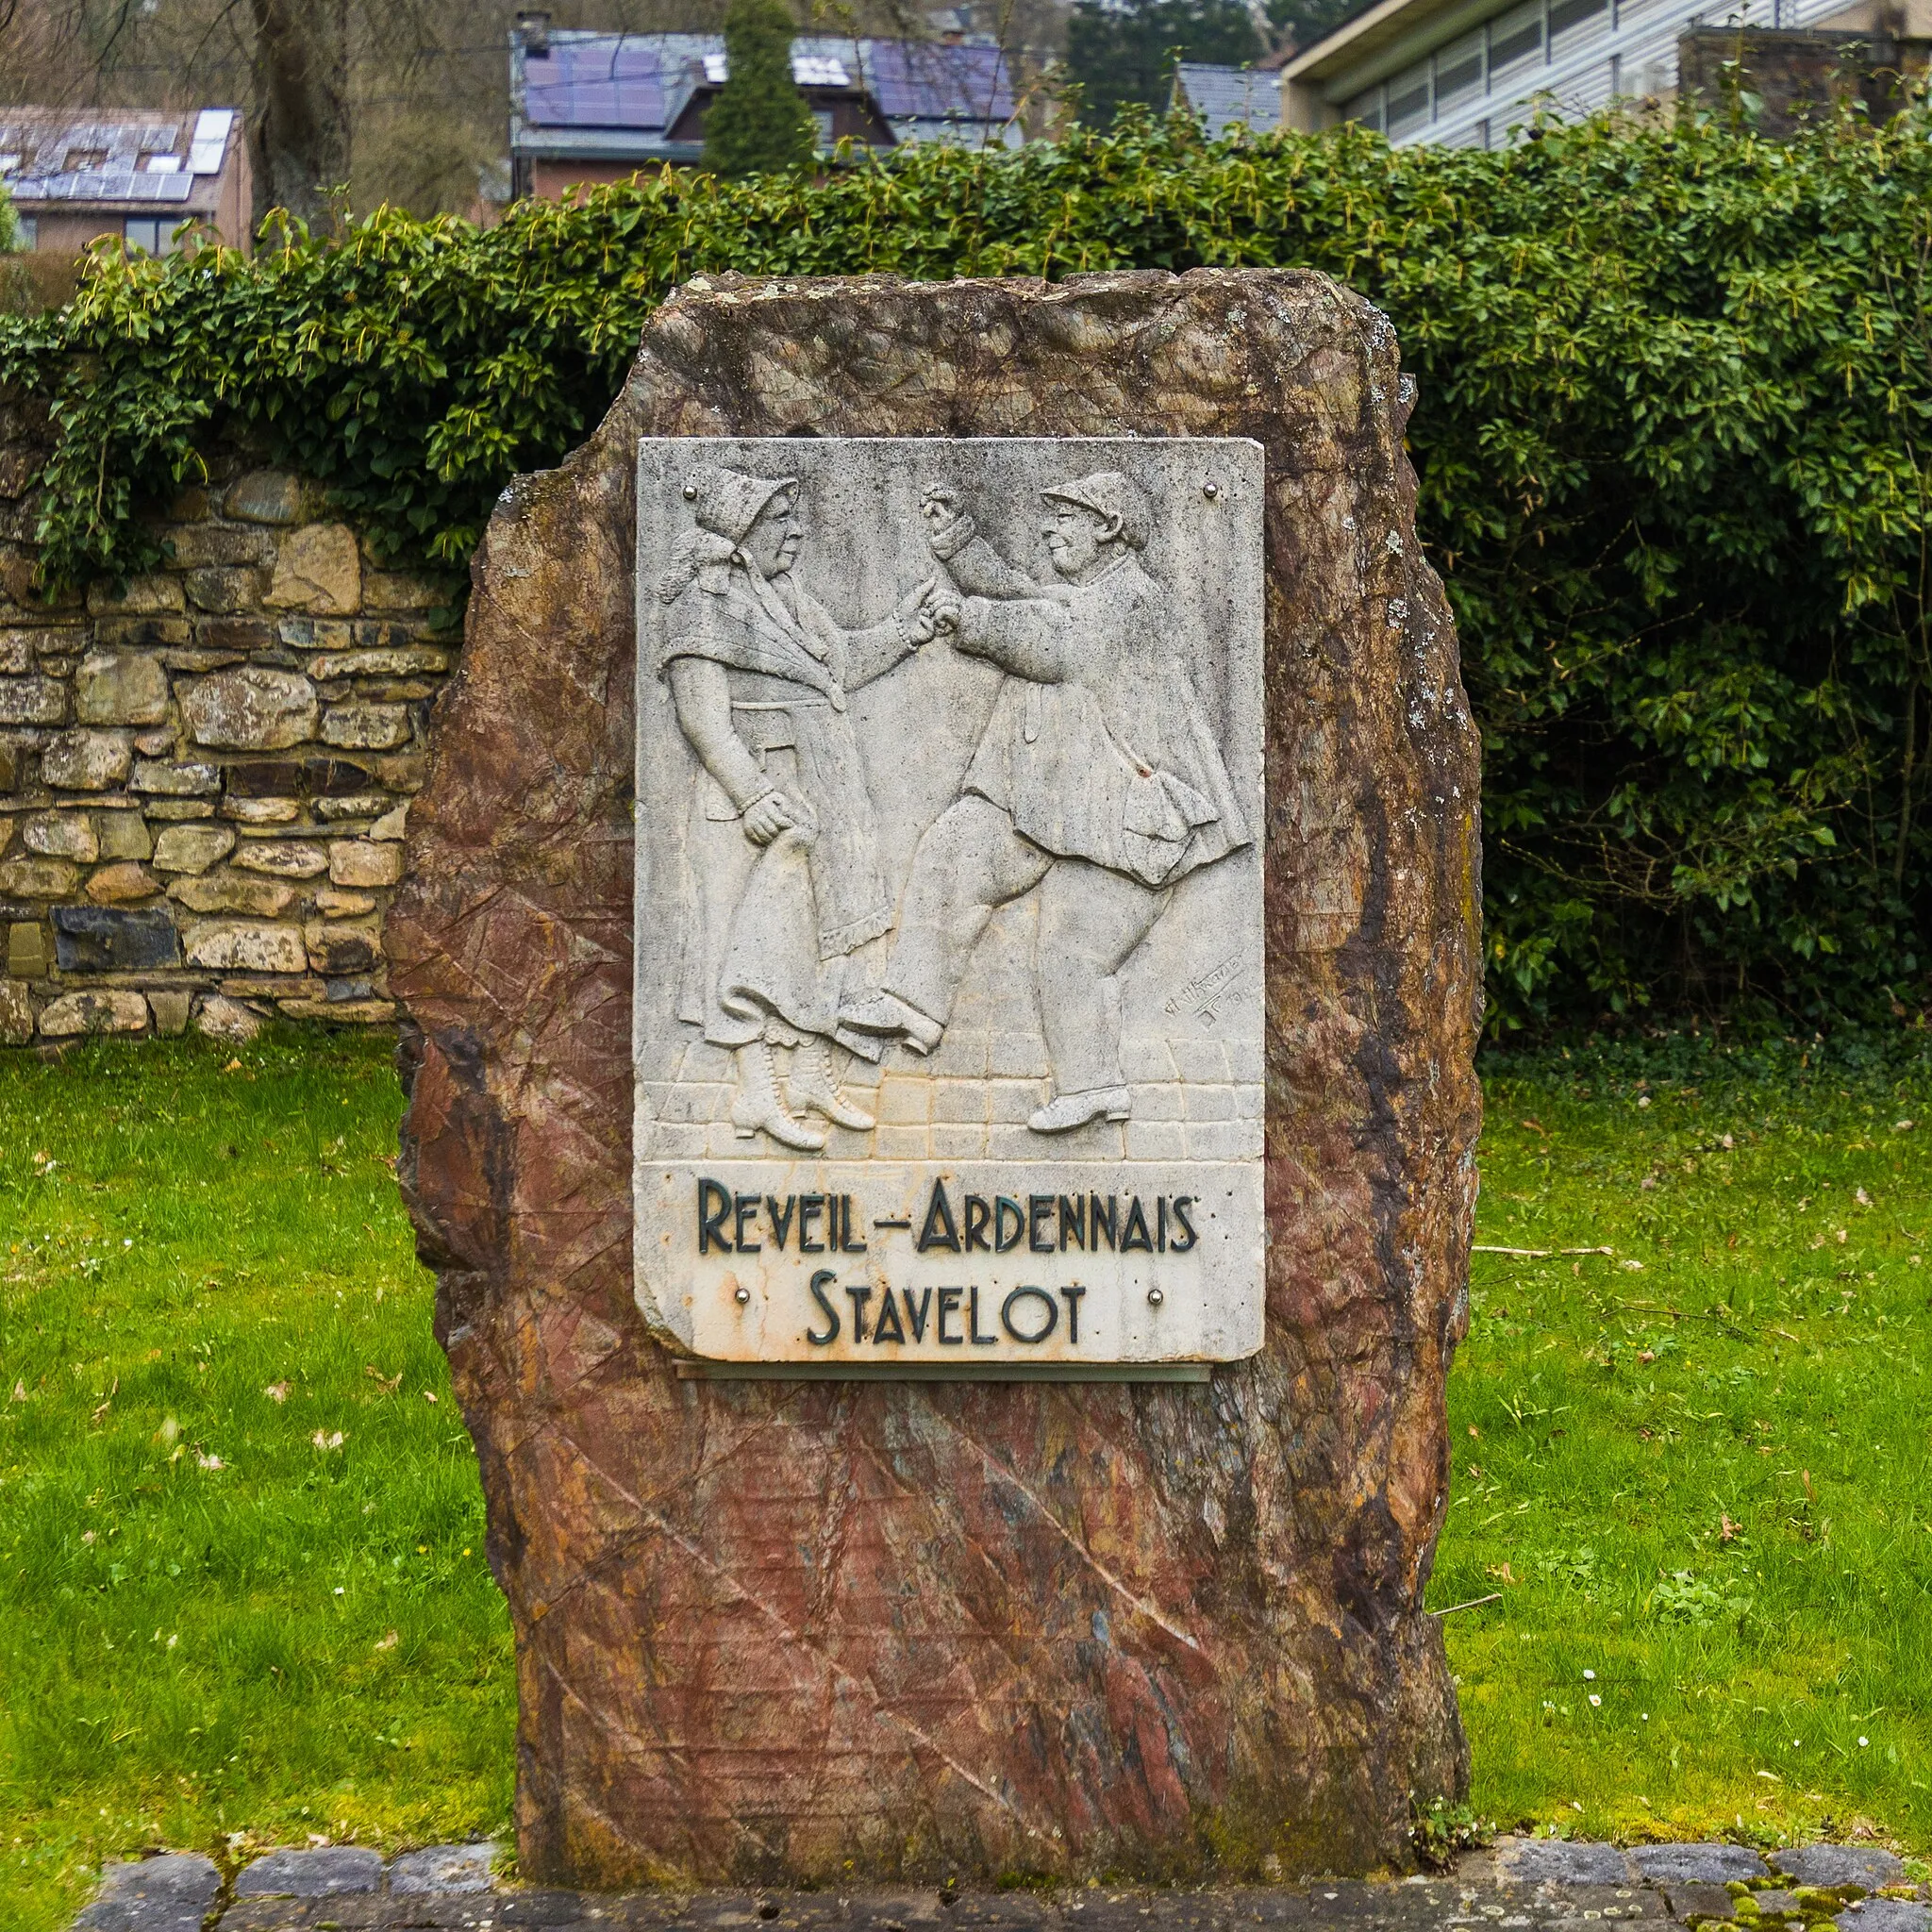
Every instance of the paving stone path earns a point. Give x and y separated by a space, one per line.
1523 1884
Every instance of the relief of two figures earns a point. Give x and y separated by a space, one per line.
1098 784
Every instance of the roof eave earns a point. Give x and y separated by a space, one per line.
1361 38
588 144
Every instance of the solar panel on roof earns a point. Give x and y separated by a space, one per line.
612 81
625 82
811 70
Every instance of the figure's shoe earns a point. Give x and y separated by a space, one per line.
886 1012
757 1107
1070 1111
812 1088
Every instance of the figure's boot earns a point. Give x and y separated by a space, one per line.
1073 1110
887 1013
812 1088
756 1104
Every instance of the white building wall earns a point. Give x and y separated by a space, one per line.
1571 56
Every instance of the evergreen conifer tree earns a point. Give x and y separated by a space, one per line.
1120 53
759 124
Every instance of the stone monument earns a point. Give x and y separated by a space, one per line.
941 958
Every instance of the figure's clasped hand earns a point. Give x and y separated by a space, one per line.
943 611
918 611
766 817
948 528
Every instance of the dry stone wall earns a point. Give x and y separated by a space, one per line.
204 776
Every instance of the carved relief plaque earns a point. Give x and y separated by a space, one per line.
948 1005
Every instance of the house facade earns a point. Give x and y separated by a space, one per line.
75 175
589 107
1467 73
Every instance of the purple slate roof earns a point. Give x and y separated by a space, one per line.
633 81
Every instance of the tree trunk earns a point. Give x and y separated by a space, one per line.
302 121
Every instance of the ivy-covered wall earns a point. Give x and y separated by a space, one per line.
1675 402
206 768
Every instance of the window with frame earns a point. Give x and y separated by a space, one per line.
1516 36
1408 101
1459 70
1575 20
150 235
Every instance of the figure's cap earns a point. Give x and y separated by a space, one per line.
727 501
1117 498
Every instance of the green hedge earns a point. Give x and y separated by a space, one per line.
1676 398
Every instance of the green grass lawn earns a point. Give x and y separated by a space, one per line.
241 1589
241 1581
1700 1466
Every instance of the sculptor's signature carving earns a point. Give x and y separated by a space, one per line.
1204 996
1098 784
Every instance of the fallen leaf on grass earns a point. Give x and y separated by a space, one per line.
388 1641
326 1438
277 1391
388 1384
209 1462
1727 1531
1502 1572
233 1067
430 1395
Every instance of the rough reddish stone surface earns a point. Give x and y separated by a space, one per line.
848 1631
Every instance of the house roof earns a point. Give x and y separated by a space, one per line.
617 95
105 157
1368 31
1229 97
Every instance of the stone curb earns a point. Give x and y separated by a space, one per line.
1523 1884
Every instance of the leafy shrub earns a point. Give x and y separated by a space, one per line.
1676 396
